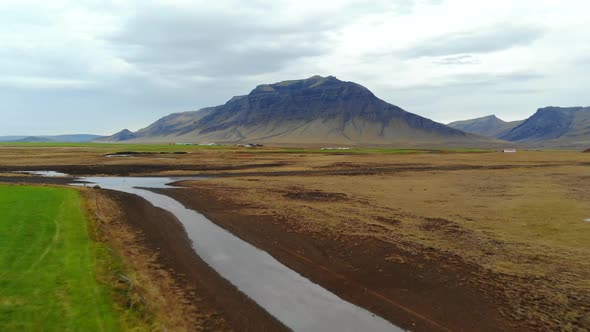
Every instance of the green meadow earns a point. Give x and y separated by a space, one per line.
48 264
171 148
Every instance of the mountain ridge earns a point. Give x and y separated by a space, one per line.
550 126
65 138
318 109
553 125
490 126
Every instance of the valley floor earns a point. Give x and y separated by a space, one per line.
465 250
429 241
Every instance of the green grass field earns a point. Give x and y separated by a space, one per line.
116 147
48 264
121 147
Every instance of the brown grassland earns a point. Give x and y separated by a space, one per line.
447 241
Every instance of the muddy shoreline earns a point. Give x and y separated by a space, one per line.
163 234
35 180
253 169
125 170
420 297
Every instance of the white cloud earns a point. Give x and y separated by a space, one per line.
137 60
27 82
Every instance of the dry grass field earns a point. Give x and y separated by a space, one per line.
525 228
509 226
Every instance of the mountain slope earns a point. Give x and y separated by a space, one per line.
554 126
123 135
78 138
315 110
489 126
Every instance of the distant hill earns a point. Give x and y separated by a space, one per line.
10 138
555 126
74 138
319 109
489 126
31 139
123 135
81 138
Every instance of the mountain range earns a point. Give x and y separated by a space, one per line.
549 126
326 110
73 138
317 110
489 126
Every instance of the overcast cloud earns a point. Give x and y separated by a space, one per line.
72 66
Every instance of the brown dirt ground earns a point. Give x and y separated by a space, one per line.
467 248
463 242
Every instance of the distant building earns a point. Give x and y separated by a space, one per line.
508 150
250 145
336 148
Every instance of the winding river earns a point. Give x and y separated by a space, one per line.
293 299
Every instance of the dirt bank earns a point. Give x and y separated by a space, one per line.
127 169
427 295
262 169
217 305
35 180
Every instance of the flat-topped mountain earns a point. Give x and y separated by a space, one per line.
554 126
319 109
490 126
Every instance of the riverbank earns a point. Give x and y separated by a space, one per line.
420 296
185 292
464 249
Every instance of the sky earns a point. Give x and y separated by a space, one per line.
98 66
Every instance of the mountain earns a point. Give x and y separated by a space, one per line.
555 126
10 138
123 135
32 139
489 126
321 110
74 138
